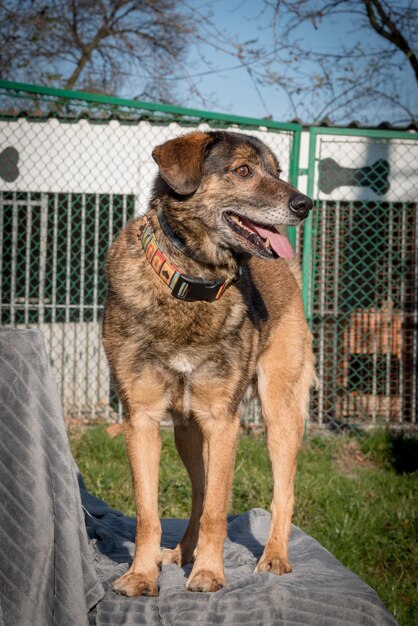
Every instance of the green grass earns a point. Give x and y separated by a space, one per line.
356 495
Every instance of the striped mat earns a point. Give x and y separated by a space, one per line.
54 572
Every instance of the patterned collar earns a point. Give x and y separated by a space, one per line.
183 287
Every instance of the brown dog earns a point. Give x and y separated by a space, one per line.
203 303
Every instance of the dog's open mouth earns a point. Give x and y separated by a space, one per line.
266 240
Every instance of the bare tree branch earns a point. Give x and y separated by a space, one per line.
388 29
143 46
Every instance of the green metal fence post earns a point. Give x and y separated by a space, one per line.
294 173
308 233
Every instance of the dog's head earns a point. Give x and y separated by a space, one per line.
231 184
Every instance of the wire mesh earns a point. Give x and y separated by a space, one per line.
365 283
74 172
74 169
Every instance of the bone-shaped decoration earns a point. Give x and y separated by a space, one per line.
332 175
8 164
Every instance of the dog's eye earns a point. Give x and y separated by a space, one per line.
278 172
243 171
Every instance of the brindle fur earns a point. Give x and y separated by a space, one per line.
195 360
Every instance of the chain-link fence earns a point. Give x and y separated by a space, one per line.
73 169
363 277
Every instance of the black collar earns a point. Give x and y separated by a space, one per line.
183 287
175 239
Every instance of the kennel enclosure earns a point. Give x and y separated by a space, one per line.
75 166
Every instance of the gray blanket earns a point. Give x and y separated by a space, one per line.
53 572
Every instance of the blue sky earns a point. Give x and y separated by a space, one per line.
222 86
232 90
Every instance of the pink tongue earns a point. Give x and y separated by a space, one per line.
278 242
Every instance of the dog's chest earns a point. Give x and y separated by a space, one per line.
191 362
205 385
183 363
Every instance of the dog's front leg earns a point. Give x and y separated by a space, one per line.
284 380
208 570
145 405
283 440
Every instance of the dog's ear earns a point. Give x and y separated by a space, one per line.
181 161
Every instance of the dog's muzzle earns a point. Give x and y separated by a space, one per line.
300 205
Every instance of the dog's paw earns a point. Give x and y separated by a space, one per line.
171 555
178 555
204 580
273 564
131 584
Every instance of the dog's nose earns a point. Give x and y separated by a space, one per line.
300 205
